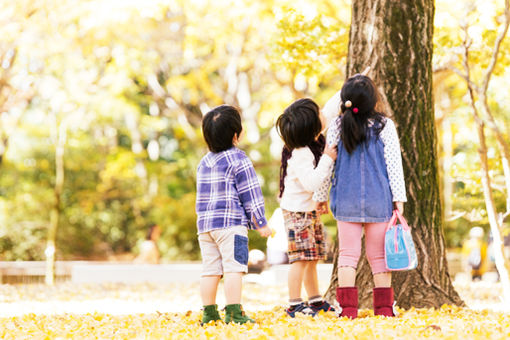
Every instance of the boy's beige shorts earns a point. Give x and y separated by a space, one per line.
224 251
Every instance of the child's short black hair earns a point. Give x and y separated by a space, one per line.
219 127
300 123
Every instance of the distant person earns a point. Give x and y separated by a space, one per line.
229 200
304 167
277 243
474 253
149 252
491 258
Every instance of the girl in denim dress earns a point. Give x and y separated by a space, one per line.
368 183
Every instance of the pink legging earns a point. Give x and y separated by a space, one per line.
349 238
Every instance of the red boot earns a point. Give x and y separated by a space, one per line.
383 301
347 298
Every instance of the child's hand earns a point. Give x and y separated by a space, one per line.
322 208
331 151
399 206
265 231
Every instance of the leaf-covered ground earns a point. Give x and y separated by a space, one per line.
157 311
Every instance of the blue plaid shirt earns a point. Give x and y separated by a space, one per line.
228 192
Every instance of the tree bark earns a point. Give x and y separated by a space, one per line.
395 40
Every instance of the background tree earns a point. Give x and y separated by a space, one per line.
478 97
396 42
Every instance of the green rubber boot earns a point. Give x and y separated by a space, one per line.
210 314
235 313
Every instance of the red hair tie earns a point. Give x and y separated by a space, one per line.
355 110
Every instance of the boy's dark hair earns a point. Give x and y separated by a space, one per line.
360 90
299 126
219 127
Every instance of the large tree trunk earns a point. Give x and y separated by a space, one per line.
395 40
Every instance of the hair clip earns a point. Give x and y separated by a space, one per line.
355 110
348 103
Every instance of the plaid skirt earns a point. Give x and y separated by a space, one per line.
305 236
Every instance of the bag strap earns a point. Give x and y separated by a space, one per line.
392 222
402 219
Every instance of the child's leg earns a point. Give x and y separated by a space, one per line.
383 293
211 275
233 245
208 289
233 287
374 236
310 280
295 280
211 268
349 244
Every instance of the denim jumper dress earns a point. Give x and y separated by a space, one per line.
360 190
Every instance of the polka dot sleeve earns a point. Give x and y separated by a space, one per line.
321 194
331 109
393 160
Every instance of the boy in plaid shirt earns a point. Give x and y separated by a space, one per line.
229 201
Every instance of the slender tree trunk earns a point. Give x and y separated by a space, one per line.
491 212
503 146
395 40
56 210
502 264
482 92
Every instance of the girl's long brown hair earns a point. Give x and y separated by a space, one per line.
299 126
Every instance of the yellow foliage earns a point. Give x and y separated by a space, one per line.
448 322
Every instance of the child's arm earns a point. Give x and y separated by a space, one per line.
332 108
310 177
321 194
264 231
250 194
393 160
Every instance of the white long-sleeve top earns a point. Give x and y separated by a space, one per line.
392 157
303 179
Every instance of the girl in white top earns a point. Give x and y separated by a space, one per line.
303 170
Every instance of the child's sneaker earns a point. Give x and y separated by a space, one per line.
301 308
235 313
322 305
210 314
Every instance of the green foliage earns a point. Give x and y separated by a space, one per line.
130 81
479 23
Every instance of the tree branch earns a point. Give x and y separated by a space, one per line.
459 73
497 46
